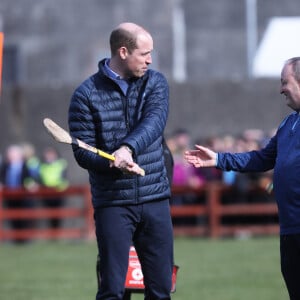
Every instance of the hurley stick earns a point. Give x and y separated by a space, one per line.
62 136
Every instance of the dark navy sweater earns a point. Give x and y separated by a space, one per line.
282 154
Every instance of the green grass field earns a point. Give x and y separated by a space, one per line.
228 269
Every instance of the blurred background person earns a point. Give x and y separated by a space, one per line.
53 174
211 174
15 175
32 162
183 173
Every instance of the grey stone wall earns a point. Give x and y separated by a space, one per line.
226 107
212 108
60 42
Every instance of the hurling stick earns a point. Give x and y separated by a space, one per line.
62 136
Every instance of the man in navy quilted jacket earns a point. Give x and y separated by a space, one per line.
122 109
282 154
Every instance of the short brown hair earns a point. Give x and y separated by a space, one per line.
122 38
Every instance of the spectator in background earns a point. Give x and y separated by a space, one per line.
32 162
282 155
211 174
53 174
15 175
183 173
228 177
244 183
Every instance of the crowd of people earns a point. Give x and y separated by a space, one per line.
184 174
21 167
243 186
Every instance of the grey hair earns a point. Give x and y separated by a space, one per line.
295 63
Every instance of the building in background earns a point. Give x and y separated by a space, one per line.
47 42
279 42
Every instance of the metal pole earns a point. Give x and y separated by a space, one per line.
179 41
1 53
251 24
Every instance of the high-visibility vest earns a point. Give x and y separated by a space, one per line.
52 174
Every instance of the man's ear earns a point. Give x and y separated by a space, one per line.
123 52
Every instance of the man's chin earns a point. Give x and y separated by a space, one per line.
288 102
290 105
142 72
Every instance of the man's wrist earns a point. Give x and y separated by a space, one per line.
127 148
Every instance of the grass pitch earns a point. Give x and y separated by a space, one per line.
227 269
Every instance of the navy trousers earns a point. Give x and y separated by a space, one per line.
290 263
149 228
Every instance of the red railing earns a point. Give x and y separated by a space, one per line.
211 209
82 211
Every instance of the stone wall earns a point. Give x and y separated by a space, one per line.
60 42
212 108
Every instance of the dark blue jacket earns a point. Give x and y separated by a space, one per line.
283 154
102 116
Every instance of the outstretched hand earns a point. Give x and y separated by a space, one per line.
202 157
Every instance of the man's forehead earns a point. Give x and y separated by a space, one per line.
144 41
287 70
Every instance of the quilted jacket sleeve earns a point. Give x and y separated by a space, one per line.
154 113
81 126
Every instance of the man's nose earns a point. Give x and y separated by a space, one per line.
149 59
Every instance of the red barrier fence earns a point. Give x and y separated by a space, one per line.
212 210
83 211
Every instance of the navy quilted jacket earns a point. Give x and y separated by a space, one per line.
102 116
